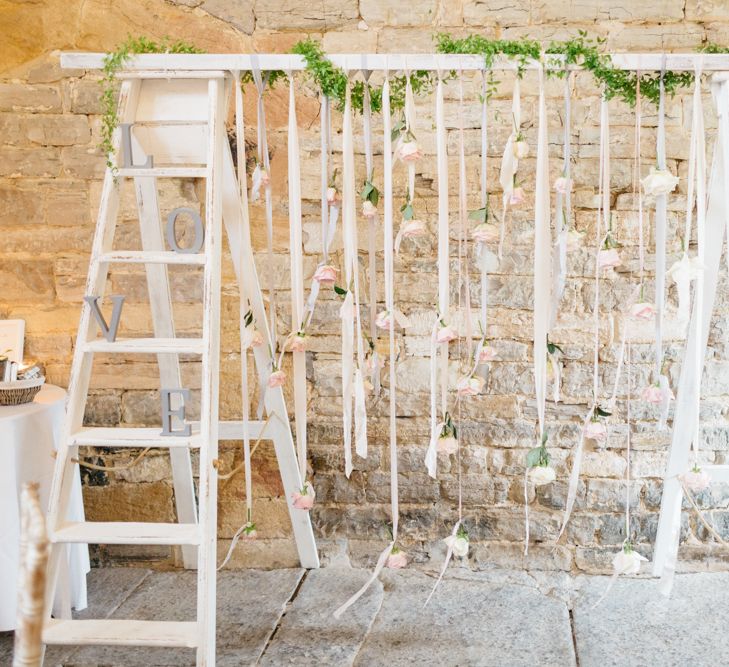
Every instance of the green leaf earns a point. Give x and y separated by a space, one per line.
407 212
480 214
534 457
601 413
553 347
340 290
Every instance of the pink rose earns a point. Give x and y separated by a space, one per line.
654 394
487 353
410 229
696 480
332 195
563 185
470 385
608 258
304 499
485 233
251 337
298 342
643 311
447 444
326 275
277 379
384 319
397 559
595 431
369 210
516 196
445 334
408 151
249 531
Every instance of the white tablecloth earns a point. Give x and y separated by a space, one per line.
28 435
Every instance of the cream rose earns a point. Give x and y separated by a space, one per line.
540 475
659 182
470 385
485 233
458 544
326 275
696 480
447 444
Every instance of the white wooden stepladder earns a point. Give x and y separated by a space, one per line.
178 118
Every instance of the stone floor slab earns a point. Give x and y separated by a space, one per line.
467 622
250 604
636 626
310 635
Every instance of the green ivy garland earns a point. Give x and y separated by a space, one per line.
581 51
113 62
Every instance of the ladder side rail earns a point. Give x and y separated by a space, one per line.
160 303
206 599
237 226
81 365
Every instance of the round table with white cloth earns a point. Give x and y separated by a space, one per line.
28 436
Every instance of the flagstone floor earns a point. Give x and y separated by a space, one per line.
498 618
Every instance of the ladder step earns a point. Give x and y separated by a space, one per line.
133 437
112 632
149 257
118 532
147 345
163 172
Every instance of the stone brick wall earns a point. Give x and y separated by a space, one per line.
50 174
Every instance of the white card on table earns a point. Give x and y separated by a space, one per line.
12 336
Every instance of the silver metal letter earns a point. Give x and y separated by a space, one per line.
168 412
199 231
109 330
127 158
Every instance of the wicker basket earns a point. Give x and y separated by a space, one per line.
19 392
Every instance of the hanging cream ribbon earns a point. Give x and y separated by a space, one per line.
329 213
509 161
661 212
481 255
563 211
443 277
449 555
263 159
542 284
431 456
296 250
601 222
390 305
372 230
686 419
464 286
243 303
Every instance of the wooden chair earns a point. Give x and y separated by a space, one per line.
34 548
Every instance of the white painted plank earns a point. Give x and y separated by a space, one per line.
152 257
121 632
133 437
147 345
163 172
424 61
122 532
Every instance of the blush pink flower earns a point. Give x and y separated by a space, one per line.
332 195
487 353
627 561
408 151
249 531
251 337
516 196
696 480
574 240
304 499
485 233
277 379
445 334
298 342
397 559
326 275
608 258
563 185
643 311
595 430
470 385
447 444
521 149
655 394
410 229
384 320
369 210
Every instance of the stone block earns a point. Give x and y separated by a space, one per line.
297 14
29 162
22 97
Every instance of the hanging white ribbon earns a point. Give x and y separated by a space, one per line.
296 256
509 161
443 276
263 159
481 249
431 456
464 286
449 555
686 419
563 211
542 284
390 305
601 222
661 213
